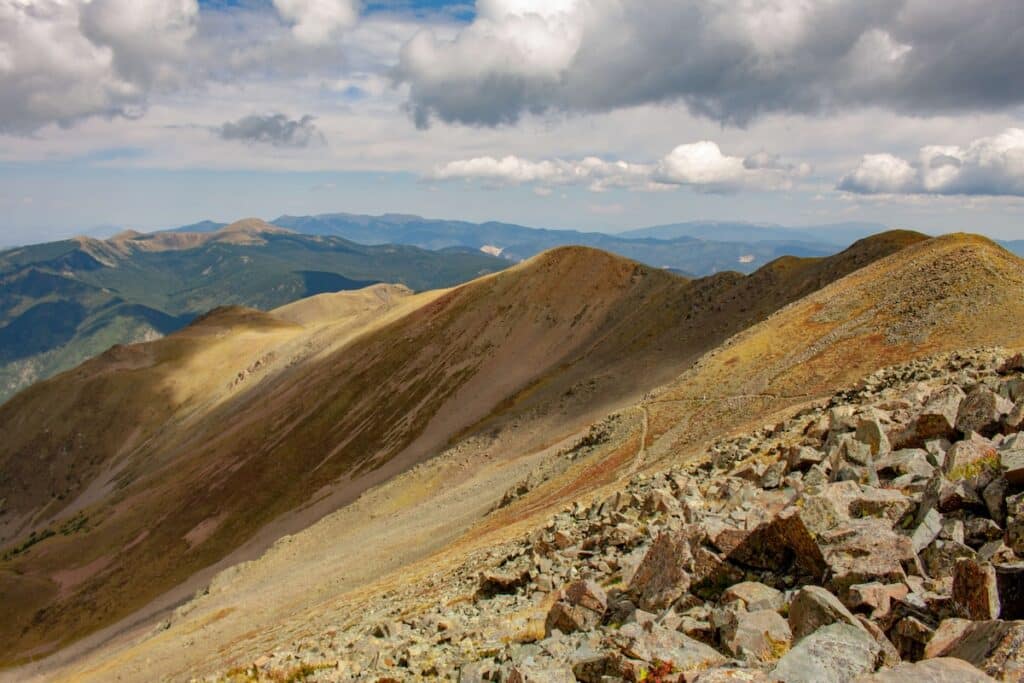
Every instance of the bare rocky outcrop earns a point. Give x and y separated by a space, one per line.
887 544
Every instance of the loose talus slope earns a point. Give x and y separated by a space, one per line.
152 462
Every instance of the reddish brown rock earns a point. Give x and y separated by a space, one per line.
936 420
813 607
662 576
786 539
754 596
863 551
982 411
995 647
761 636
1010 584
943 670
972 458
975 590
581 609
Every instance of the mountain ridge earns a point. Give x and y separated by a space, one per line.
525 354
64 302
484 490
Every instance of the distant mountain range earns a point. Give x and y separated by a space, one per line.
727 245
695 249
836 234
63 302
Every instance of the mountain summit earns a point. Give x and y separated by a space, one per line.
248 425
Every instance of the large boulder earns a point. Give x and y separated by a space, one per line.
813 607
909 461
541 673
872 432
982 411
652 643
942 670
975 590
581 609
754 596
941 557
837 653
1015 523
662 577
974 459
759 637
936 420
995 647
781 543
883 503
1012 464
865 550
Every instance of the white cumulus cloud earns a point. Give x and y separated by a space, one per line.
992 166
700 165
315 22
62 60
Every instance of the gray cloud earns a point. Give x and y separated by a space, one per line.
991 166
273 129
62 60
731 62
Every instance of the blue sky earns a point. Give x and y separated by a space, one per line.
589 114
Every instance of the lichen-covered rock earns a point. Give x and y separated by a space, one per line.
942 670
754 596
837 653
865 550
995 647
813 607
582 608
650 643
662 576
982 411
975 590
974 459
761 636
935 420
541 673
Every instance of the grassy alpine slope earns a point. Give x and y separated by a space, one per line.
64 302
249 425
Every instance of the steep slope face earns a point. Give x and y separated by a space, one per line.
931 296
956 291
304 417
62 303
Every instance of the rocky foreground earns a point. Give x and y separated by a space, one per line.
875 537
